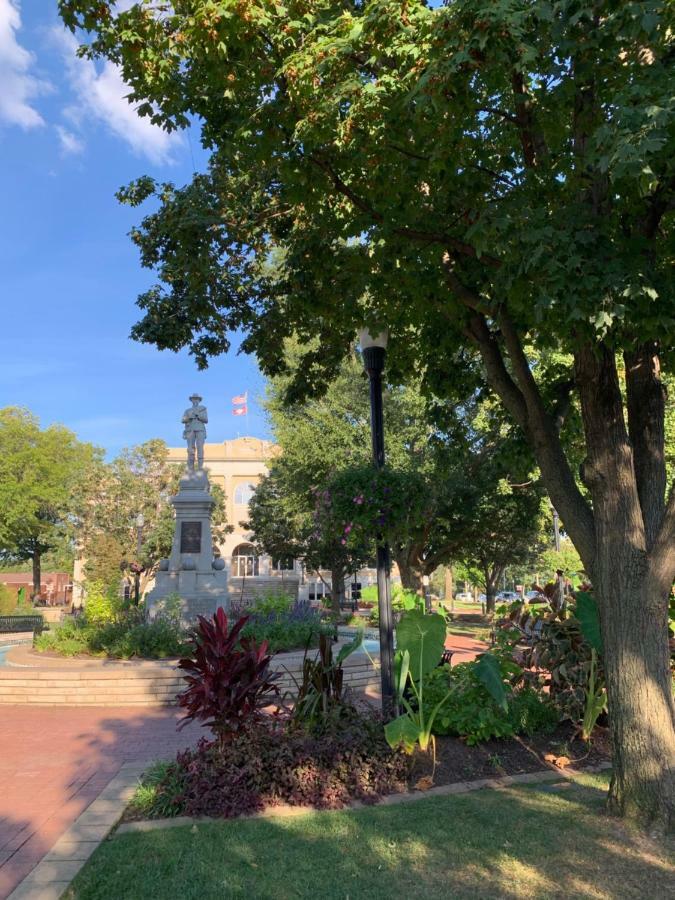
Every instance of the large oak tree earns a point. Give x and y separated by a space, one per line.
492 176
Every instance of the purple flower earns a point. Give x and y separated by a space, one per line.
343 541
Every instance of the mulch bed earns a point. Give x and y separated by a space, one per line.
455 761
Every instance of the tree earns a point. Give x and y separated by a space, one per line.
443 494
486 179
500 528
141 480
288 519
45 480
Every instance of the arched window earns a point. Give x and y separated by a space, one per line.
243 494
244 561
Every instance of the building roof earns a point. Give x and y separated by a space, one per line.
240 449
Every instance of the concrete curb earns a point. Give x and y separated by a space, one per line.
52 876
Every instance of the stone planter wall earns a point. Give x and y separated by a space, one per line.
107 683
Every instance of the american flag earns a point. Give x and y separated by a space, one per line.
240 399
240 411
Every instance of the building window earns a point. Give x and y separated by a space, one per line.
317 590
284 564
244 561
243 494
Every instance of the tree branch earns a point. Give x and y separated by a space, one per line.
646 404
662 556
531 138
544 435
428 237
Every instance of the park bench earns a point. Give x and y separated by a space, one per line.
16 624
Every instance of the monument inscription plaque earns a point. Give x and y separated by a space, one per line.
191 537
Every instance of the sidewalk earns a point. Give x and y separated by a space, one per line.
55 761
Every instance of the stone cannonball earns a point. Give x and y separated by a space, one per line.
218 564
188 564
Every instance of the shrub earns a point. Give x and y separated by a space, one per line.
156 795
70 638
101 604
272 603
7 601
320 701
402 600
472 713
127 636
561 642
293 628
228 678
268 766
131 635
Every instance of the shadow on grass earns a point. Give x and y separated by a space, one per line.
514 843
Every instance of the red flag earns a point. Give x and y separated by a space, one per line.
239 399
240 411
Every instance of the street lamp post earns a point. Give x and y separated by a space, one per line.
140 522
374 348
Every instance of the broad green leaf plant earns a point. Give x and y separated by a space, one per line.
420 641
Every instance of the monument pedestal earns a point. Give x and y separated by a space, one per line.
191 571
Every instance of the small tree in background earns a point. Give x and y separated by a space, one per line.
46 478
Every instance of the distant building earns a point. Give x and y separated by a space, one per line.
55 587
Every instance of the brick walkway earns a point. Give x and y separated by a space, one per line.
55 761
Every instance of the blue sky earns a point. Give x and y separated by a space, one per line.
69 275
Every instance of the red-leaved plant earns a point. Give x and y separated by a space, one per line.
228 678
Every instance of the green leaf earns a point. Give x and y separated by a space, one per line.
423 636
402 732
488 671
349 648
589 620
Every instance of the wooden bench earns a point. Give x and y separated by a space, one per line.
16 624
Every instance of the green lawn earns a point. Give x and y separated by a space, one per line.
528 842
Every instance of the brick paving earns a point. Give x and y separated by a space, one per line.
55 761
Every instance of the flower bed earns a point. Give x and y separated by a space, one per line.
273 764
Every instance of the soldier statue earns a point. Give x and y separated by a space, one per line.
195 419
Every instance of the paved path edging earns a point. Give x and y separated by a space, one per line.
52 876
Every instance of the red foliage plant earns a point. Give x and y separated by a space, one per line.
228 678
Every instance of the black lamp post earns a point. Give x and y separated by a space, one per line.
140 522
374 349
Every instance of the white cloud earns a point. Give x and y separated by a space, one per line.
70 143
17 86
101 94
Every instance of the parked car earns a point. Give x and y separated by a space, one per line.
534 596
463 595
508 596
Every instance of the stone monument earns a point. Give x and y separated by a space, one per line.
191 571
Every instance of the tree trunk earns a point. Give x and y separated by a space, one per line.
37 575
632 592
337 584
448 585
411 578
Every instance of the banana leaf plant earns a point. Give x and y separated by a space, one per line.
420 640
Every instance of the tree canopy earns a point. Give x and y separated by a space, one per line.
45 478
445 495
